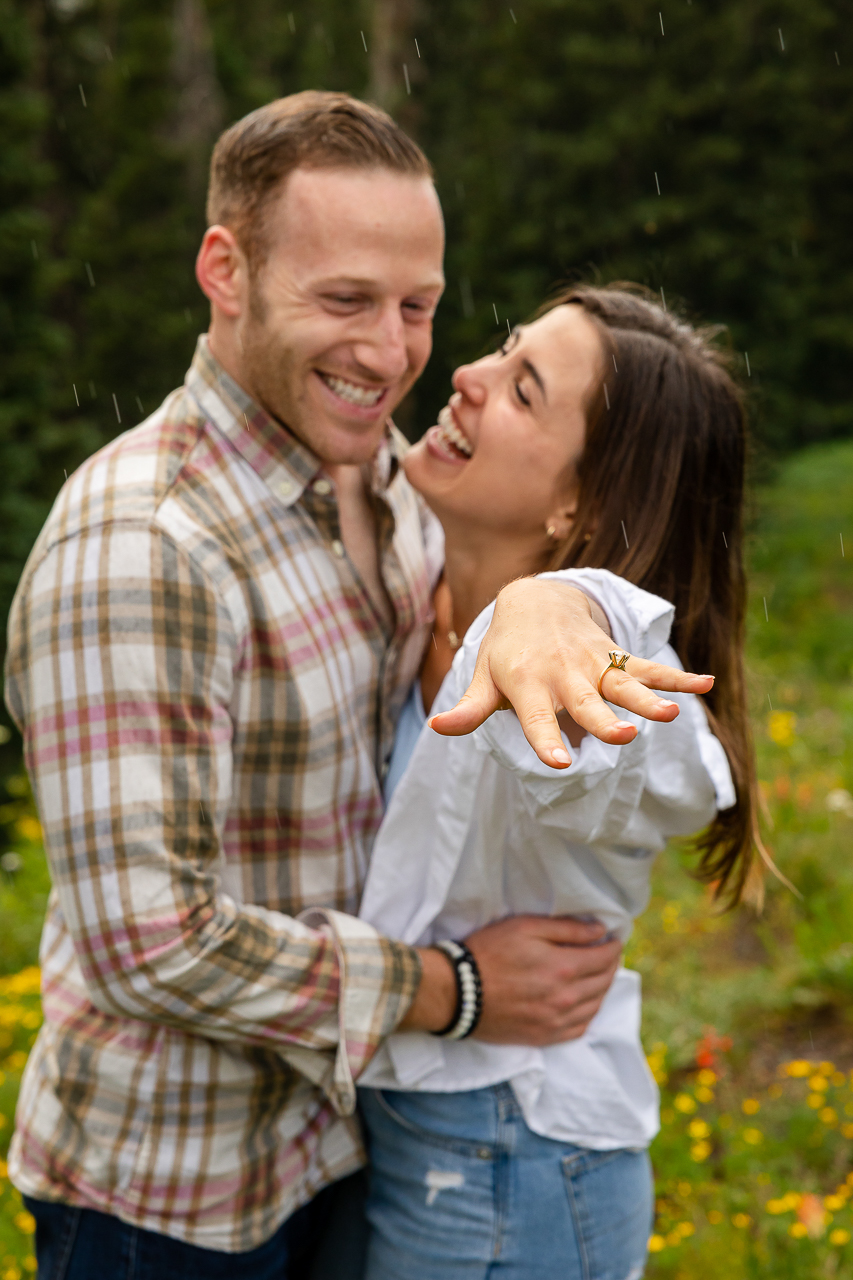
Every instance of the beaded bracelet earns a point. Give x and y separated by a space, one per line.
469 991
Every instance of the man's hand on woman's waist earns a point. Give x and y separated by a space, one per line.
544 978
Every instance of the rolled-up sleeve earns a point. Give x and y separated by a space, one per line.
120 674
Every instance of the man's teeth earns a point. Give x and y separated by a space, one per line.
351 392
450 433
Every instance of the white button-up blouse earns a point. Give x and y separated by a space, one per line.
478 828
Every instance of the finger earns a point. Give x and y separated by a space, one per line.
576 1024
591 712
480 700
655 675
534 707
568 931
584 963
625 690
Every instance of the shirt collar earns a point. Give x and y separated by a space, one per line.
283 462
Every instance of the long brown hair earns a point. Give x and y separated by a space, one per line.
661 487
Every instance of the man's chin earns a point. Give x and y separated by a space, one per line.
340 445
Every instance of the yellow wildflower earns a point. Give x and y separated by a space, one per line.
833 1203
714 1217
798 1068
700 1151
818 1084
656 1243
815 1100
798 1230
847 1130
749 1106
782 727
29 828
753 1136
829 1115
839 1236
698 1129
741 1220
777 1206
706 1076
685 1103
25 1222
685 1229
704 1094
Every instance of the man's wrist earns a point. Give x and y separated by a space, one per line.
435 998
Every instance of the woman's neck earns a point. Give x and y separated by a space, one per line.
475 574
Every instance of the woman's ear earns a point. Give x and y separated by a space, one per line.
559 525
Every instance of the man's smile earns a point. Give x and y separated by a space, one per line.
352 393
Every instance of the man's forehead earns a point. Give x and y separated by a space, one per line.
334 207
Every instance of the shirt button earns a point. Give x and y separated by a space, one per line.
284 488
323 487
338 547
484 1153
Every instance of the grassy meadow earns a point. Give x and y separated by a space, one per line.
748 1019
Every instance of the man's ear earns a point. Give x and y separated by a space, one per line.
222 271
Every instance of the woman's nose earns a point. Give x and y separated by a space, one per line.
469 381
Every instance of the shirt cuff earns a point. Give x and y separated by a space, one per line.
378 981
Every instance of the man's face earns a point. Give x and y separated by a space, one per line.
338 322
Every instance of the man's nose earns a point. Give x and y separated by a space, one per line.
383 350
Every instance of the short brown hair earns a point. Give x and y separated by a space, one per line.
314 130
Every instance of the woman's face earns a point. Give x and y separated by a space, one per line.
502 459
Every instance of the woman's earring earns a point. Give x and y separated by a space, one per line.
551 532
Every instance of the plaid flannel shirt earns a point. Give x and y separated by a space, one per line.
207 697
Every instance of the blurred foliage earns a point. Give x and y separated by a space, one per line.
551 127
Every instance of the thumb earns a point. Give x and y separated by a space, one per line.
478 702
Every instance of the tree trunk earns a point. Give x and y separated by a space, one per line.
199 110
394 70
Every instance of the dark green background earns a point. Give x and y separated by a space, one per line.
546 125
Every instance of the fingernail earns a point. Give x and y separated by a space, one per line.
429 722
662 702
561 755
623 724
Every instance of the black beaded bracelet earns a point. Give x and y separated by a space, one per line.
469 991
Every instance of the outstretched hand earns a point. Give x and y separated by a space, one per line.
542 653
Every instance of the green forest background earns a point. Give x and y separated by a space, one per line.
551 126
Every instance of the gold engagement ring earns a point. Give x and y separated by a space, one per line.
617 663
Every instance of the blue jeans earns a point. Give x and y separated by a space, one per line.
324 1240
461 1189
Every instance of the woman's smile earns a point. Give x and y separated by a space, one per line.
447 441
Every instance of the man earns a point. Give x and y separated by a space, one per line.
208 651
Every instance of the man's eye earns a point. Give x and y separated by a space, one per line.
522 397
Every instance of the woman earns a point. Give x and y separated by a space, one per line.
604 439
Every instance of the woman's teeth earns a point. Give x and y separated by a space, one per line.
449 433
352 393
